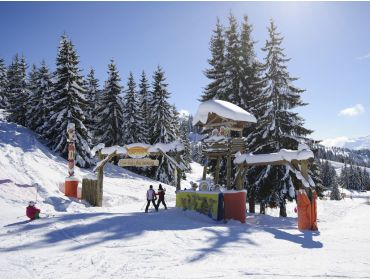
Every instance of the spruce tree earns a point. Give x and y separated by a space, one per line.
251 82
132 118
68 104
279 127
144 108
3 84
233 61
17 91
92 96
40 100
184 136
162 130
110 116
217 72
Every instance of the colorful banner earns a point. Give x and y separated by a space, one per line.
138 162
207 203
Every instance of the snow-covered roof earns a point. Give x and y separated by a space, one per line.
223 109
164 147
283 154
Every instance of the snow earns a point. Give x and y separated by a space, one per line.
97 148
283 154
224 109
118 240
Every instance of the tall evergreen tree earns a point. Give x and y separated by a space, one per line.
217 72
163 130
131 114
3 84
92 95
279 127
161 113
184 136
68 105
110 116
251 82
16 91
144 108
233 61
40 100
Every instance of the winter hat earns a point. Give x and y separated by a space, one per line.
31 203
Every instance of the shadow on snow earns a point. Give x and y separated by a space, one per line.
86 230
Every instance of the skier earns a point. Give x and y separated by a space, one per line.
161 193
150 197
32 212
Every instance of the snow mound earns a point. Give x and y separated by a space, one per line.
224 109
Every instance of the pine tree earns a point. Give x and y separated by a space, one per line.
68 105
163 130
132 118
279 127
251 82
16 91
184 136
39 102
92 94
3 84
217 72
144 108
335 193
162 126
233 59
110 116
366 179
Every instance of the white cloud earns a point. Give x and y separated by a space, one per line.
364 57
353 111
335 142
184 112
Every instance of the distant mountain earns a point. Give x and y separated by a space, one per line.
360 143
344 155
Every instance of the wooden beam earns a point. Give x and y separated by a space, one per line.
217 172
228 171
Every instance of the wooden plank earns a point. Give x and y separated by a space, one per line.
217 172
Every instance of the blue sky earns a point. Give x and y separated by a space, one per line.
328 42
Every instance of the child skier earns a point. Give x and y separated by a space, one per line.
150 197
32 212
161 192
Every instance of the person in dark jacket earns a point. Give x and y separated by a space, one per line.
150 197
161 192
32 212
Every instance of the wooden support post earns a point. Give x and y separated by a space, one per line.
240 176
100 175
217 172
228 171
205 171
179 173
90 191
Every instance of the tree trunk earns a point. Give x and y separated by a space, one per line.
283 209
262 208
252 202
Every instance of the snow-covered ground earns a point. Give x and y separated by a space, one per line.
118 240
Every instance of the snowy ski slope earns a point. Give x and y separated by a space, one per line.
118 240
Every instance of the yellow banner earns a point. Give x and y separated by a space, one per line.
138 162
205 203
